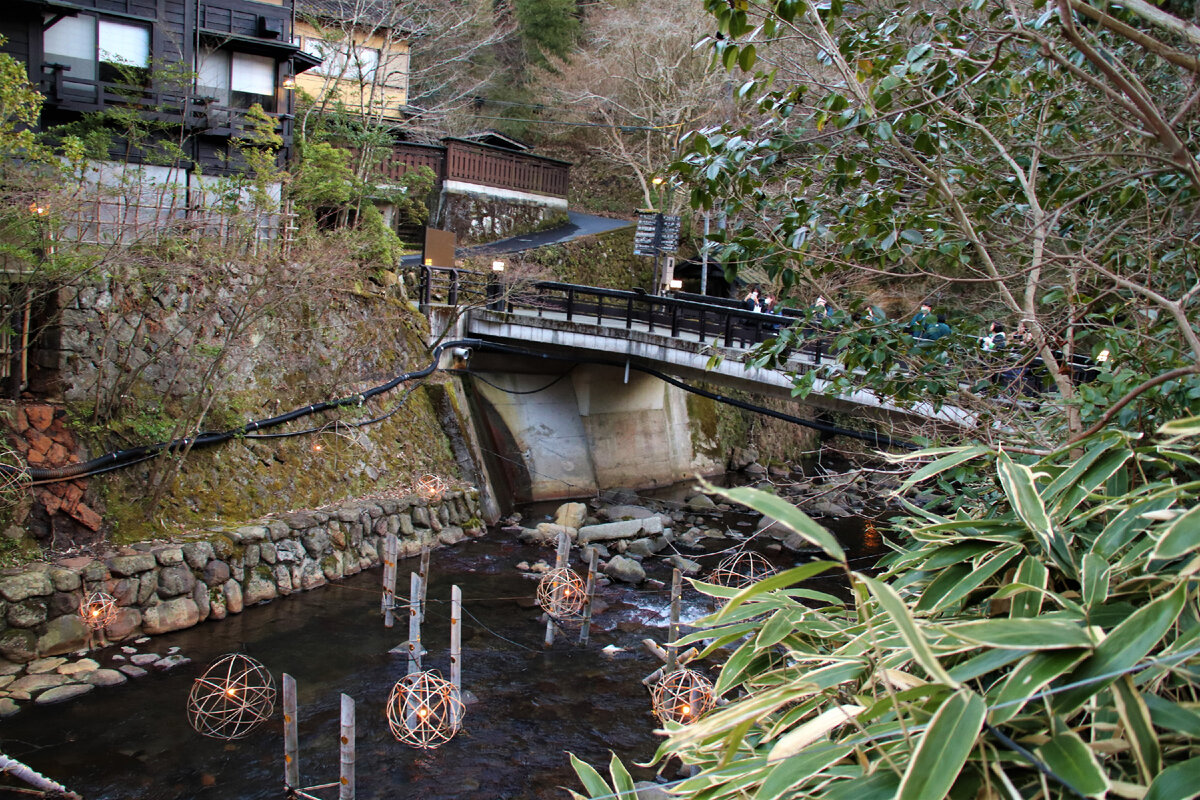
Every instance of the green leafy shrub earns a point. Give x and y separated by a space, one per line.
1041 641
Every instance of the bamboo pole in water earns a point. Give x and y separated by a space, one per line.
424 573
585 631
346 792
561 559
291 740
391 547
673 629
456 649
414 624
35 779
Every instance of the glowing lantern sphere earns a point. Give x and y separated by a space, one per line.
431 487
424 710
741 569
682 696
233 696
98 610
561 593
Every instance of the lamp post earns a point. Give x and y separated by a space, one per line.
495 287
657 181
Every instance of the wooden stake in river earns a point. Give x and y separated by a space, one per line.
673 628
414 623
591 597
346 792
561 559
391 548
291 739
456 650
423 571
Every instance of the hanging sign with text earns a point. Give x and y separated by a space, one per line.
656 234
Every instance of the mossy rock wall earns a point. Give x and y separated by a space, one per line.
166 586
168 349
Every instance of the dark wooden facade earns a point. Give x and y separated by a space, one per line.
484 165
166 91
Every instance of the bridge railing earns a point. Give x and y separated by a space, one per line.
681 318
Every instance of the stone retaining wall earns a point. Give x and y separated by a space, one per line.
162 587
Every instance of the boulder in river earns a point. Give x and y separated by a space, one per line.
571 515
624 569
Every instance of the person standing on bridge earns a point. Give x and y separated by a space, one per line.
752 301
921 320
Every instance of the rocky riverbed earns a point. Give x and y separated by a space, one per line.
631 532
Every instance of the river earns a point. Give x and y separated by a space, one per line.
532 705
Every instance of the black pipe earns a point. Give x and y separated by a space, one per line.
123 458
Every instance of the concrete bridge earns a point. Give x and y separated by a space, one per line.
579 388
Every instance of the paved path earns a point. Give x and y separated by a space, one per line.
579 225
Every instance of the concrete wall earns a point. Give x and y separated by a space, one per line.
594 429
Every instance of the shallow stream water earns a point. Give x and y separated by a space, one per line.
532 706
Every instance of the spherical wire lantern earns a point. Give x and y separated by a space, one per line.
98 610
424 710
231 698
682 696
562 594
431 487
14 479
741 570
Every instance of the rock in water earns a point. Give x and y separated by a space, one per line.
625 569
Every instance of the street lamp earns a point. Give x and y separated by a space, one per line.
495 287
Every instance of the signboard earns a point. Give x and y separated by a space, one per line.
656 234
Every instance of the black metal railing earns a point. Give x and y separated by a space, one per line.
682 319
721 319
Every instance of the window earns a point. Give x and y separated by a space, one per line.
238 80
123 47
72 42
342 61
98 49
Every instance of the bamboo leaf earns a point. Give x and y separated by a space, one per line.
1177 782
1172 716
780 581
943 749
1028 679
1033 573
1180 537
1069 758
1124 646
956 456
592 782
622 780
1022 634
786 515
1021 489
792 771
1095 580
1188 426
898 611
881 785
1135 716
974 579
796 740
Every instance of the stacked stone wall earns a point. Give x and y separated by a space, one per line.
167 586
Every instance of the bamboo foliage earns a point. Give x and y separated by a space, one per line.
1043 641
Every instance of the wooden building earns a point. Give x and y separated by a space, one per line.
364 50
193 67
